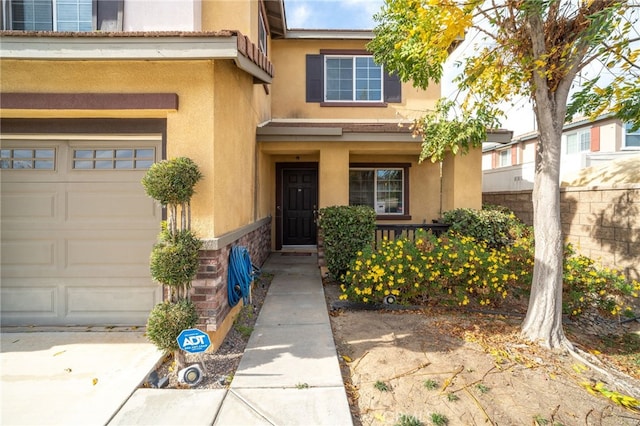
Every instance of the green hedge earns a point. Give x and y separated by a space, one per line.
346 231
496 226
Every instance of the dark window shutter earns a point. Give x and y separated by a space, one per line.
109 15
392 88
315 78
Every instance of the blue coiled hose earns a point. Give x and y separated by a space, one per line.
241 273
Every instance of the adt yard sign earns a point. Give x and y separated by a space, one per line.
193 340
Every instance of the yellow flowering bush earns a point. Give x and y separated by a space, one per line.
452 270
457 270
586 285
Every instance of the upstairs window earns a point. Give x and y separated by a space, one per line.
262 34
579 141
504 158
352 78
63 15
349 78
631 138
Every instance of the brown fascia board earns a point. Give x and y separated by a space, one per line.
334 131
89 101
53 45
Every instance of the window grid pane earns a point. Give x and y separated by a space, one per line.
361 188
585 141
113 159
27 159
578 142
339 81
380 189
632 139
505 158
389 197
368 80
31 15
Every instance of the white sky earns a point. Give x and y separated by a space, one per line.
331 14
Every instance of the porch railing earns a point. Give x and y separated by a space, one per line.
391 232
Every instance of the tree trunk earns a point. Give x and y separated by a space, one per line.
543 323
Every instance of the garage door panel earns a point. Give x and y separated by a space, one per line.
108 204
29 299
27 206
107 252
25 253
129 299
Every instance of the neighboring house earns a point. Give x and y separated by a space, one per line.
281 123
510 167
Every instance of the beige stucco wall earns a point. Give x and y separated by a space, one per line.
234 171
219 108
462 181
239 15
333 160
289 87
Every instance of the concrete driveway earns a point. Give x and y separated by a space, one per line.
79 377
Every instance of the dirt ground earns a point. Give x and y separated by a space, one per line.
443 367
468 368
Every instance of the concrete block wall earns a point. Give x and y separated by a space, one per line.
602 223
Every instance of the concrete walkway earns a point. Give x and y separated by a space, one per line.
288 375
71 375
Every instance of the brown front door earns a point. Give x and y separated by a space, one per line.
298 204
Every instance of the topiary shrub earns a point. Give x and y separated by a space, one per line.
172 181
497 227
167 320
346 231
174 260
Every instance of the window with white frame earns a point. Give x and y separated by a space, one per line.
62 15
631 137
579 141
504 157
383 189
262 34
352 79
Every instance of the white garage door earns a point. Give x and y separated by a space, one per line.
77 230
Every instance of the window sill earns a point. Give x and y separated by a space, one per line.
393 217
354 104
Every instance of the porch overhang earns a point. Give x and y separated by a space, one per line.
349 131
122 46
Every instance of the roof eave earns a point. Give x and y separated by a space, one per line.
320 34
130 48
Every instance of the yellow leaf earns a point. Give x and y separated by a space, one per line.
580 368
346 358
59 353
94 381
